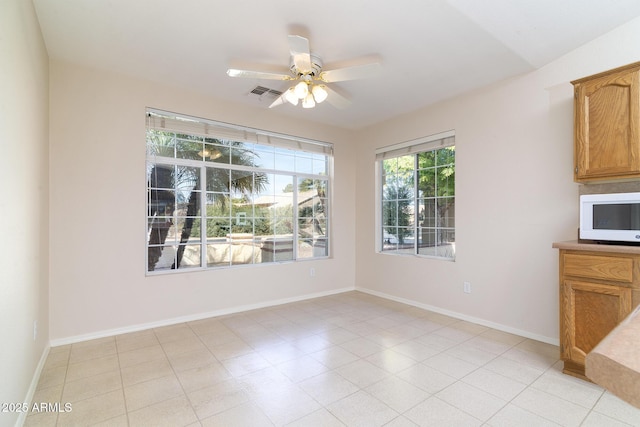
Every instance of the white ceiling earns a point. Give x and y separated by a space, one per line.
429 49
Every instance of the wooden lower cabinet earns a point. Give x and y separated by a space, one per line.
597 291
589 312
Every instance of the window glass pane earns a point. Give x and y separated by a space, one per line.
187 178
160 144
313 248
398 239
161 257
241 225
389 242
405 236
405 165
446 212
305 248
277 248
427 182
446 156
264 156
218 254
307 227
304 164
218 204
426 241
218 229
242 155
241 185
446 181
243 249
427 212
189 147
283 223
188 256
161 176
437 243
213 151
184 227
390 213
285 162
426 160
161 202
263 227
218 180
321 186
320 165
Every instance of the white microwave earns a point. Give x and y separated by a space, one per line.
610 217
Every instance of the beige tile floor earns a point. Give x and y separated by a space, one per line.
350 359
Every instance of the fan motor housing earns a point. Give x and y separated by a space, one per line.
316 66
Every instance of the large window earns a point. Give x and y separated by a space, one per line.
220 196
417 197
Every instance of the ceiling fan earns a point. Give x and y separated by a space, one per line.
306 69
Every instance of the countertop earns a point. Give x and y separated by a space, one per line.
596 247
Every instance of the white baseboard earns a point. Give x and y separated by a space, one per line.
478 321
34 385
239 309
191 318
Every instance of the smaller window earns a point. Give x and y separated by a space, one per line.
417 197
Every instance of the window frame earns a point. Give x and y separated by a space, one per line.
414 148
315 151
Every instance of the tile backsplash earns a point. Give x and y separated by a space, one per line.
610 187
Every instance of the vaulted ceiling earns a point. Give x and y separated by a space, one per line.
430 50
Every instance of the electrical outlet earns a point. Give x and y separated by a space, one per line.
312 272
466 287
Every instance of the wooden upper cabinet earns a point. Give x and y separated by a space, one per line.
607 125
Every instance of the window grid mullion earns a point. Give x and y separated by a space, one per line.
415 203
203 216
294 209
436 201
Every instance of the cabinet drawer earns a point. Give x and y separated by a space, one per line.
616 269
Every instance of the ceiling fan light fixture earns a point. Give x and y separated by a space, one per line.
291 97
308 101
319 93
301 90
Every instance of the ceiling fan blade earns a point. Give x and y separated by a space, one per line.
232 72
279 101
335 99
300 52
350 73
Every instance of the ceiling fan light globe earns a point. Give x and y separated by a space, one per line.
319 93
301 90
291 97
308 101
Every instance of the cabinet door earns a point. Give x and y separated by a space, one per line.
589 312
607 140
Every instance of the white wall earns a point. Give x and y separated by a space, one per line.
515 194
98 283
24 112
